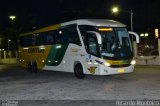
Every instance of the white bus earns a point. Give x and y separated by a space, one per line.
84 46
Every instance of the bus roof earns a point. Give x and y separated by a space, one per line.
95 22
92 22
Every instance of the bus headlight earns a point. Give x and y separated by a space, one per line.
107 64
133 62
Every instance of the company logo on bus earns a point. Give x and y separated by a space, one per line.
35 50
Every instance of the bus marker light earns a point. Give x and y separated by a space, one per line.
105 29
96 63
42 48
60 32
58 47
89 62
26 48
133 62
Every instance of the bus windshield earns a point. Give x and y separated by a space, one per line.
116 43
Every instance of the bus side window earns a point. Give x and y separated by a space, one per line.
39 39
73 36
27 40
50 38
58 36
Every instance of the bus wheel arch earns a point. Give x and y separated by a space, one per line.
79 70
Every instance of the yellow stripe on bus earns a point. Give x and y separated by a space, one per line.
50 28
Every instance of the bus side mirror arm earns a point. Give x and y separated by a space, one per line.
99 38
136 35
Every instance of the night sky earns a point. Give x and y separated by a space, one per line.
41 13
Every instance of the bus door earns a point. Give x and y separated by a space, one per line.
93 54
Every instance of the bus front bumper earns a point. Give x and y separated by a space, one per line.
103 70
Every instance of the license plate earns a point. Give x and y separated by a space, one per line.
121 71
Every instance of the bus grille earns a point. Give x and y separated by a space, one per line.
117 66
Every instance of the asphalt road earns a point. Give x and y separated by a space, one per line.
18 84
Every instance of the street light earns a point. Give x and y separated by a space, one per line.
116 10
12 17
9 44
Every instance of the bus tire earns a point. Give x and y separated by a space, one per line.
34 67
29 66
78 71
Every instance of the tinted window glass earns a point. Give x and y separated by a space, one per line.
62 36
73 36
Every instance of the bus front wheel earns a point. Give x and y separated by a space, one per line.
78 71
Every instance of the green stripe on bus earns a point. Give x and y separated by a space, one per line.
56 54
51 55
